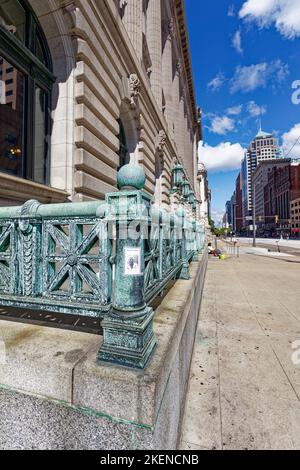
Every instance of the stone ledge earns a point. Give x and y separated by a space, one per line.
20 190
59 365
132 395
41 360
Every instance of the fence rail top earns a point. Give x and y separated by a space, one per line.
34 209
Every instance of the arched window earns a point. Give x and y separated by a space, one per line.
25 93
123 151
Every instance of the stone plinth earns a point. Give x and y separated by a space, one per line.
55 396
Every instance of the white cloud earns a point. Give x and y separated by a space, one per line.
224 157
216 83
231 10
284 13
235 110
217 216
248 78
255 110
221 125
292 139
237 42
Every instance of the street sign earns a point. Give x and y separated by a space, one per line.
249 218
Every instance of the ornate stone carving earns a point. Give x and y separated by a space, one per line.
179 66
134 89
171 28
161 141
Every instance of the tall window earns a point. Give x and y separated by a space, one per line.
25 92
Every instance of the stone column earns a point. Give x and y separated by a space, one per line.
133 21
154 40
128 337
181 128
167 73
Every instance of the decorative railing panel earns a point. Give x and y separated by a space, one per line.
8 253
103 259
76 261
165 250
58 264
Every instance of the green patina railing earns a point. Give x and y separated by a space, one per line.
55 257
104 259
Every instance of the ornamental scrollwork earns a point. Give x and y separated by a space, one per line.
161 141
171 28
134 89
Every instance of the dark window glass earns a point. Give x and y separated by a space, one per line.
39 51
40 160
11 123
24 97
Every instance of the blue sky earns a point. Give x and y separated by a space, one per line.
246 56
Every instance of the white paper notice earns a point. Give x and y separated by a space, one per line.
132 261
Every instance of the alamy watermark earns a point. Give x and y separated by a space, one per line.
296 94
296 354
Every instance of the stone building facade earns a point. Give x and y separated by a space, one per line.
295 217
282 188
115 86
260 180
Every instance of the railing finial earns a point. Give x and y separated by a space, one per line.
131 176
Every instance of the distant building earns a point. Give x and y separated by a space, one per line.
228 213
260 179
245 202
225 221
233 211
239 204
295 217
263 147
283 186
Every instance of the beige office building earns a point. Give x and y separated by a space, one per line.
98 83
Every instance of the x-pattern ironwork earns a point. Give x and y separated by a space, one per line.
152 269
169 251
70 258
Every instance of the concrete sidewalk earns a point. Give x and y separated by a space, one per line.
244 389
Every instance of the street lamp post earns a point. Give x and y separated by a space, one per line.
254 211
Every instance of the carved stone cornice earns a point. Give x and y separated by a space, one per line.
134 89
161 141
171 29
179 66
